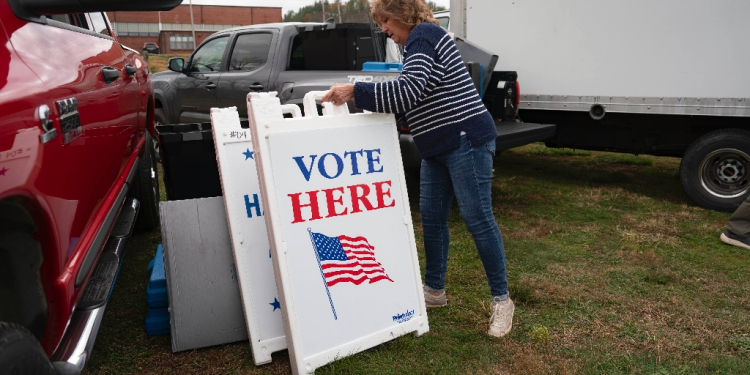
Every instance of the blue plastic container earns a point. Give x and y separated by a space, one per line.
157 317
157 322
376 66
156 293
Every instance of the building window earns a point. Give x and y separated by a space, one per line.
181 42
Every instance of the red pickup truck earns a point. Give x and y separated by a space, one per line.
77 173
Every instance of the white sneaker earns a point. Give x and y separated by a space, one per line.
501 320
432 300
732 239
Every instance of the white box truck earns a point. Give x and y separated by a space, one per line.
668 77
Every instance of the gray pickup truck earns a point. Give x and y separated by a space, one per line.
295 58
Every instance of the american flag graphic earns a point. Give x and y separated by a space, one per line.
345 259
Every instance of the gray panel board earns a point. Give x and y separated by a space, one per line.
204 297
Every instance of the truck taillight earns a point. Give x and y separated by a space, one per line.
517 100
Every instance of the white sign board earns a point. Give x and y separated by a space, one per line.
247 229
340 229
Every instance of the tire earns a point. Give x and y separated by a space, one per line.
146 190
159 119
715 169
22 297
20 352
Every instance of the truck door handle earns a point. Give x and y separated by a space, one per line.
130 70
210 86
255 87
109 74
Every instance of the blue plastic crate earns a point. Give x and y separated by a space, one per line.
156 293
376 66
157 322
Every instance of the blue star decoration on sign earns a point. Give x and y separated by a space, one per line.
275 304
248 154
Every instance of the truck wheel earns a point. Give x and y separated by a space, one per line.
715 170
146 190
22 297
159 119
20 352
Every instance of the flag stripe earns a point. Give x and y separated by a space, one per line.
342 237
345 259
346 280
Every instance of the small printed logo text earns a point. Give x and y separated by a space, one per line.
405 317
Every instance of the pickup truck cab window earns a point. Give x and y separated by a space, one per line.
99 24
297 57
250 66
64 18
77 20
209 56
250 52
196 90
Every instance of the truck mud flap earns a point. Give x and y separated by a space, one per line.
515 134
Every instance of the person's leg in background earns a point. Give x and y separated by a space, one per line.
738 227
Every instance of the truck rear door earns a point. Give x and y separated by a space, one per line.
249 68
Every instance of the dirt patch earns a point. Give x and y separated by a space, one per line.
531 229
530 359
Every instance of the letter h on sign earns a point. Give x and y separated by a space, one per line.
249 206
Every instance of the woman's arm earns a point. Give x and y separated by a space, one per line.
402 94
398 96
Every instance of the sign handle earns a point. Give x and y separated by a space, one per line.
311 109
315 247
291 109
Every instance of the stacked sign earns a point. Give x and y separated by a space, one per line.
340 230
247 229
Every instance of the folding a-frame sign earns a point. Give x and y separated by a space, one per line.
247 229
340 229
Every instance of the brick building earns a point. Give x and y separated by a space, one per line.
171 29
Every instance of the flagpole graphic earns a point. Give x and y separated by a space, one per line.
317 256
345 259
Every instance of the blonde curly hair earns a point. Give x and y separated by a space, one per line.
410 13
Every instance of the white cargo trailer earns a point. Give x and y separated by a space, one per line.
668 77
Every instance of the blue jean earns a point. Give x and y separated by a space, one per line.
466 173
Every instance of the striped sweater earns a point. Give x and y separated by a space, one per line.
434 91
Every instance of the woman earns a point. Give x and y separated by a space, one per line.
455 136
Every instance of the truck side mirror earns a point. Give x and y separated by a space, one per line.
176 64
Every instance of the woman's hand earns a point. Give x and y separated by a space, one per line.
339 94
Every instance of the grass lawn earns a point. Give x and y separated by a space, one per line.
613 270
